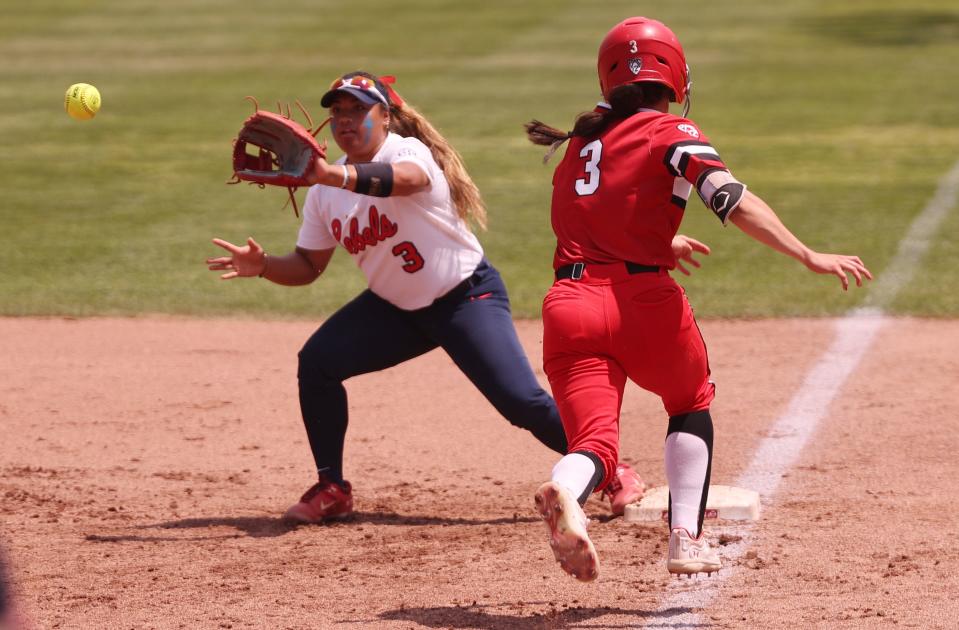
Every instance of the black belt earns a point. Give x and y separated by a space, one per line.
575 271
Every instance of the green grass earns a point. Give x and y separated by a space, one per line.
842 117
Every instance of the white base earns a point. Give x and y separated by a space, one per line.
723 502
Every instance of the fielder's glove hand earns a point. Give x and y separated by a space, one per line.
283 150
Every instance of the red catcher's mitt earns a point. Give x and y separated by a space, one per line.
284 150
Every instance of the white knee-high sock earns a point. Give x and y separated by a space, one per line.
577 474
687 460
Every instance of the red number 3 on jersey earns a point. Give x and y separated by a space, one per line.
412 260
593 152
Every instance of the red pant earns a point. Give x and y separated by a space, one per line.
608 326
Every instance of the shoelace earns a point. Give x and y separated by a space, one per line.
317 488
614 486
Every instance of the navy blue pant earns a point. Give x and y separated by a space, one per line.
472 323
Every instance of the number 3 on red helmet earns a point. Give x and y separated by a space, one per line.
641 49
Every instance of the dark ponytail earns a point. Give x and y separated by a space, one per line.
624 101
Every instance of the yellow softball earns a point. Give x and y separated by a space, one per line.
82 101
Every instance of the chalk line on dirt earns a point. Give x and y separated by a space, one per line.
788 435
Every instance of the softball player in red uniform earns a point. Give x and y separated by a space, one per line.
614 312
400 203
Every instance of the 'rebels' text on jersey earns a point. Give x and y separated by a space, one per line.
411 248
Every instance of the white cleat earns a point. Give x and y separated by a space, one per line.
689 556
567 532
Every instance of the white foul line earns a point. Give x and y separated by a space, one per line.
779 450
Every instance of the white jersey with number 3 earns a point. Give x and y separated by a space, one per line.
413 248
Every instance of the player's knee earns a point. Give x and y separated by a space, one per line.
315 367
526 410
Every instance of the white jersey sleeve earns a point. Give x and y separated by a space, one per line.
415 152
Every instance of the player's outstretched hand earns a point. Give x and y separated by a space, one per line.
839 265
683 248
246 261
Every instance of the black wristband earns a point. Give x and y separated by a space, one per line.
374 179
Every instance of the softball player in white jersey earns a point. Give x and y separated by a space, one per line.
400 203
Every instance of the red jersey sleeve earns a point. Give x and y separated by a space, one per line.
687 153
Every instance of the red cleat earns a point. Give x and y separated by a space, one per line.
625 487
325 501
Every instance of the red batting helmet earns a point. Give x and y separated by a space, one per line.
641 49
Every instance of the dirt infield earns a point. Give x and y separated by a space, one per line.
144 464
